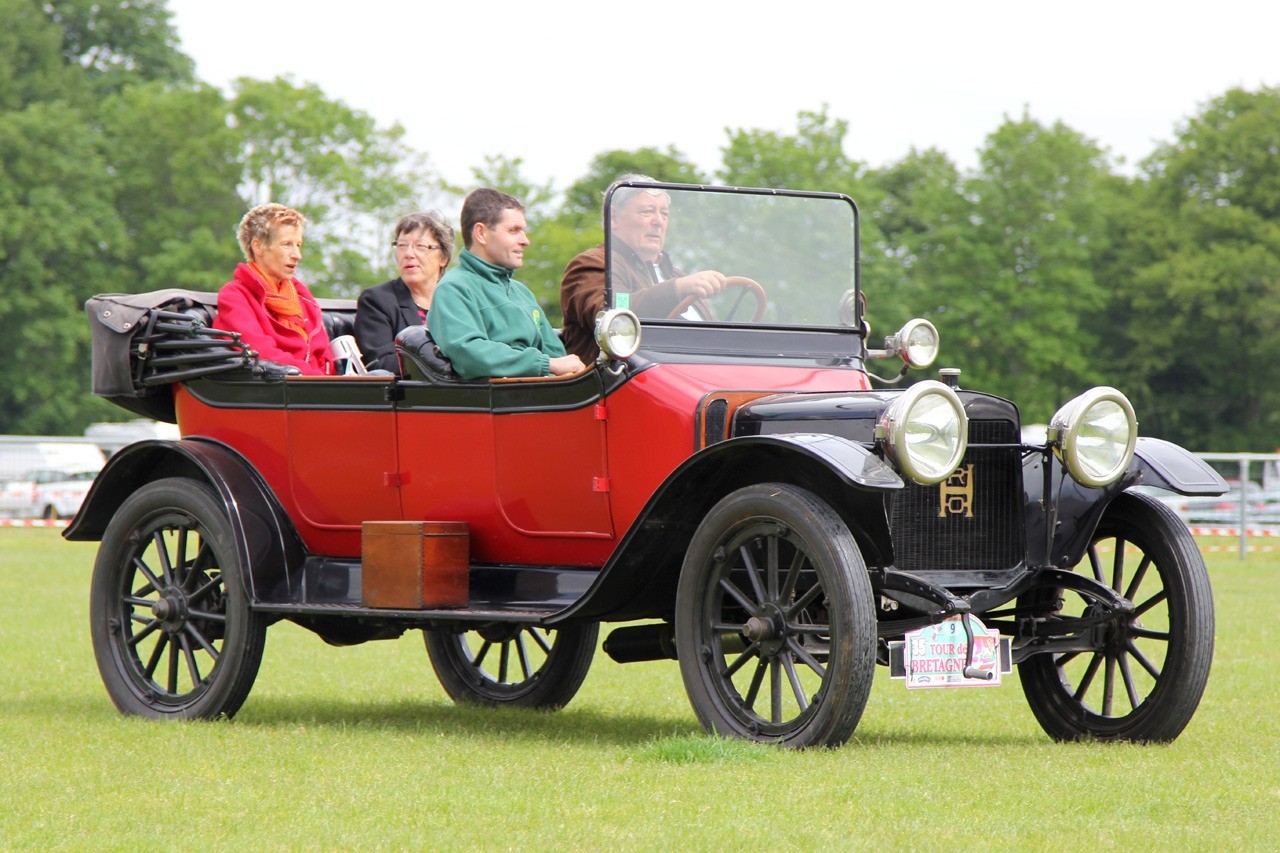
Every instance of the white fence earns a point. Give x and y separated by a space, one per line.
1251 508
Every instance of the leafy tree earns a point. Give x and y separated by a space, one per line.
506 174
813 158
1201 338
118 173
1018 324
585 196
175 162
351 178
73 188
119 44
57 241
921 213
32 67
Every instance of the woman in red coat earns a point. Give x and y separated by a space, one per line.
274 313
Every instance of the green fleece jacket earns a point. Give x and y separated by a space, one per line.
489 324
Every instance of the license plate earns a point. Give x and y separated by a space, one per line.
934 656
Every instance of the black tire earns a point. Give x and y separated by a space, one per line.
50 513
172 630
774 576
508 664
1161 655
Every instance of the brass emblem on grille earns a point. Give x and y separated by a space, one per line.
955 494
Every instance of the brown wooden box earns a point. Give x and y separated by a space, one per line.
411 565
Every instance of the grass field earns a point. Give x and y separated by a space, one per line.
360 748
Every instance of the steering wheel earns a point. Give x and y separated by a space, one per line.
704 307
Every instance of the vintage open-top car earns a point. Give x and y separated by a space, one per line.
729 480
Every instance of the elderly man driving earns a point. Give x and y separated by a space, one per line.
641 268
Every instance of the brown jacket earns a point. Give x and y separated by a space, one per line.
582 293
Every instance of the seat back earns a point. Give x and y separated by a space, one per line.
339 316
417 349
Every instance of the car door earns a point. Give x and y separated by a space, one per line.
522 463
342 452
549 457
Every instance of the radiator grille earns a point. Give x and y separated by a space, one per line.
972 520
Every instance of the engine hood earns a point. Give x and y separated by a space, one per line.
849 415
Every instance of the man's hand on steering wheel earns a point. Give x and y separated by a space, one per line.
700 284
704 309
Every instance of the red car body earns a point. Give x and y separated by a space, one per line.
536 487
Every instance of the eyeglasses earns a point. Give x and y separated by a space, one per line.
419 248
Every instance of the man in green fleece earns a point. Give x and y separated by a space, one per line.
483 320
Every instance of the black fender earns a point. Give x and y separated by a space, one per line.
1079 509
1169 466
270 550
639 580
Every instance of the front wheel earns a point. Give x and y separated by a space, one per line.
1142 675
524 666
775 620
172 630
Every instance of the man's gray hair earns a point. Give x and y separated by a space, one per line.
622 195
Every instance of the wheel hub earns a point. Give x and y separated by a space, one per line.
767 627
171 609
757 629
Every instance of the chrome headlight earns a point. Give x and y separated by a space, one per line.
618 333
1094 436
917 343
925 431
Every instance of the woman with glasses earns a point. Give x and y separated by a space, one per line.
423 245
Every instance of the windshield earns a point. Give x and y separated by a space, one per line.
757 257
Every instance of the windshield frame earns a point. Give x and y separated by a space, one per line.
856 328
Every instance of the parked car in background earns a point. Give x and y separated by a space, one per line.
59 494
16 497
50 493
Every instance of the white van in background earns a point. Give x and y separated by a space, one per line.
22 453
113 436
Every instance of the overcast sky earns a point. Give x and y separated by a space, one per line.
556 83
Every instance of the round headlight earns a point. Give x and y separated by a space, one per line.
925 431
916 342
1094 436
618 333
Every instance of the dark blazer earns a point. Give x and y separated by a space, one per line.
381 312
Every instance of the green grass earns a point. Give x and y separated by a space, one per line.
360 748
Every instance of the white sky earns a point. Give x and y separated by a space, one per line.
558 82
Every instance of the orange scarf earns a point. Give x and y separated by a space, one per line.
283 303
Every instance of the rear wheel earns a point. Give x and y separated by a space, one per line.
172 630
525 666
775 621
1142 676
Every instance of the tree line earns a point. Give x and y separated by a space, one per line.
1046 268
